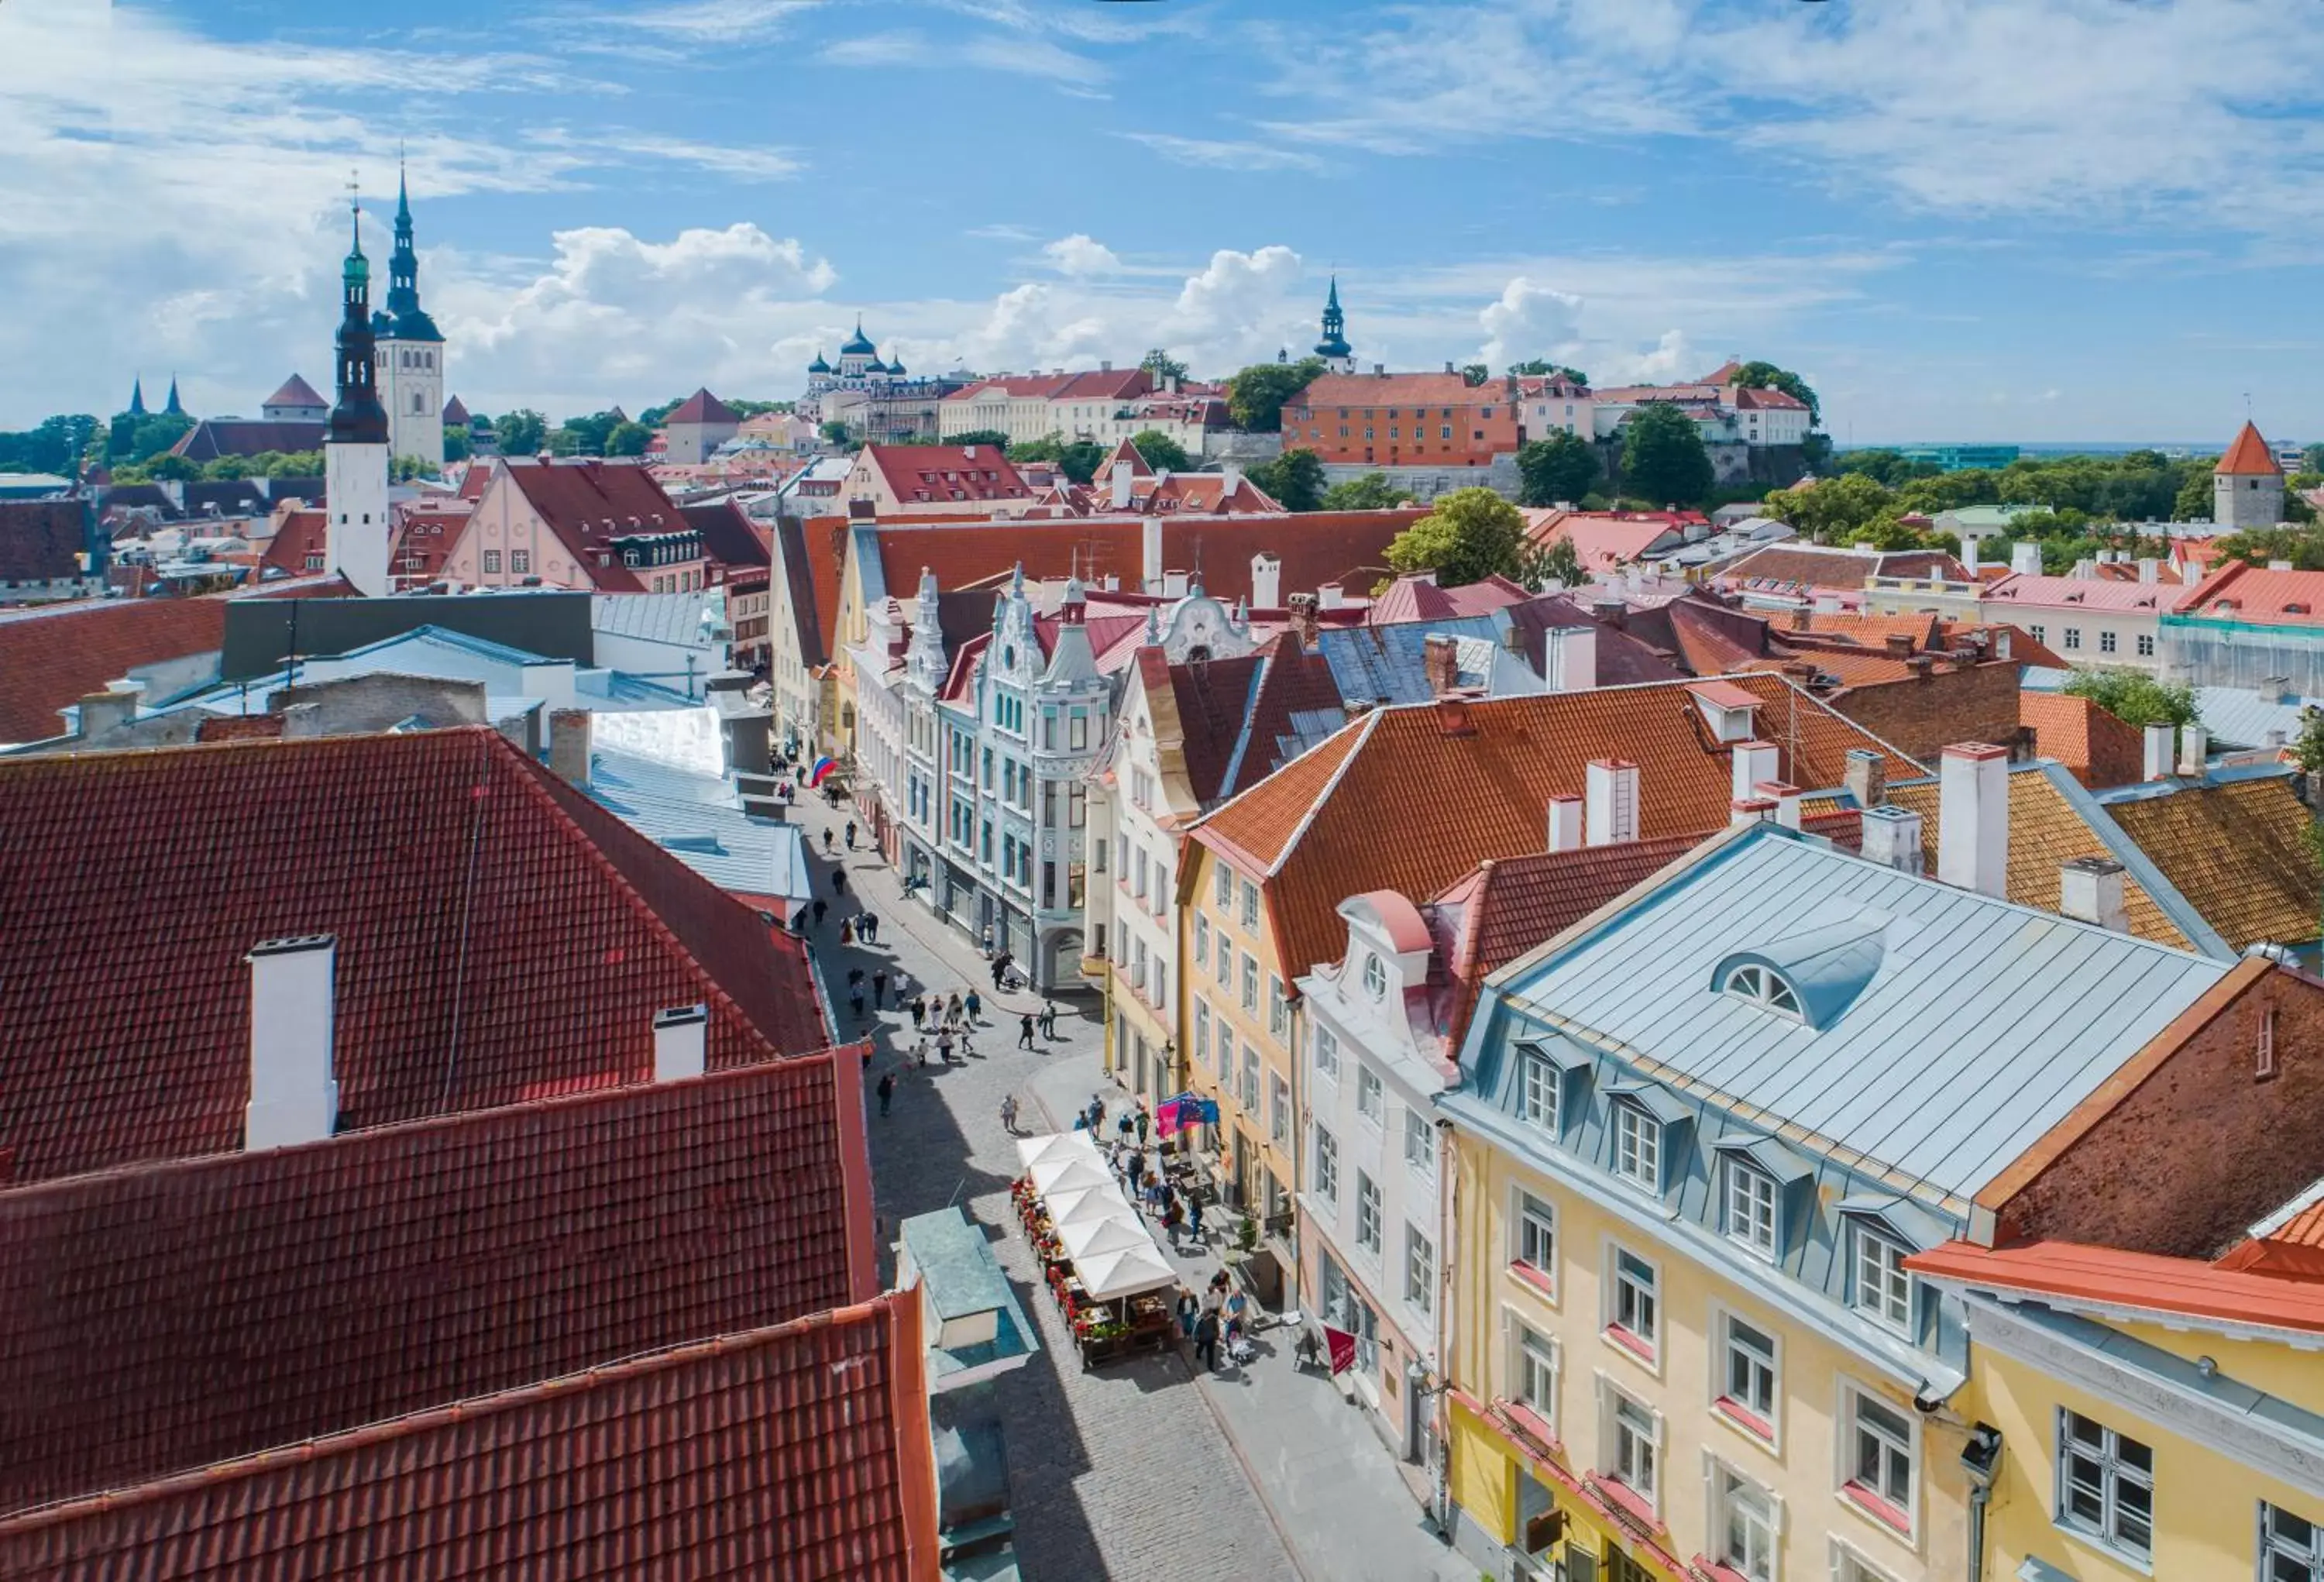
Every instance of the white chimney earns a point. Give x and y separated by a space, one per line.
2194 751
2090 891
2156 762
1973 818
1152 541
1892 837
2150 570
681 1039
293 1096
1786 798
1573 659
2025 558
1266 582
1827 604
1331 597
1174 585
1233 472
1564 822
1968 556
1610 787
1749 810
1754 761
1118 497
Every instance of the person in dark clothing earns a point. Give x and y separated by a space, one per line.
839 881
919 1010
1145 1122
975 1005
1187 1310
1025 1032
1194 1216
1207 1339
999 970
880 989
887 1090
869 926
851 835
820 907
855 1003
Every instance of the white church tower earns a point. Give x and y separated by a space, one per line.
410 357
354 445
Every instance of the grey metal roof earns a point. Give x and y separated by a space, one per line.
1983 1025
1384 663
698 820
2238 717
655 617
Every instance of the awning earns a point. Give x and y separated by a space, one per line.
1099 1234
1105 1276
1069 1173
1033 1151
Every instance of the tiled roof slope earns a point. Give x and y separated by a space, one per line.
702 407
2241 591
301 533
2045 832
799 1453
56 655
501 938
296 392
163 1318
2239 852
2140 1281
2249 455
2099 749
213 438
588 503
727 535
1346 818
40 539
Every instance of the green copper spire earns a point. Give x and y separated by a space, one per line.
1334 343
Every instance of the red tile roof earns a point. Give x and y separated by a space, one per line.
702 407
40 539
2099 749
1091 384
161 1318
300 544
2241 591
501 938
588 503
295 391
2140 1280
56 655
1317 826
1604 540
812 570
2249 455
932 473
1419 598
728 536
1807 566
424 541
1379 390
799 1453
213 438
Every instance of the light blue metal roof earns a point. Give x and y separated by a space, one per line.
1384 663
2238 717
698 820
1980 1026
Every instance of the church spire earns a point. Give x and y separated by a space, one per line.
137 397
358 418
173 408
405 320
1333 347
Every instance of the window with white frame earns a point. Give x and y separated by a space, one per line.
1634 1302
1884 1289
1743 1524
1279 1109
1419 1142
1279 1009
1762 987
1848 1565
1249 982
1881 1447
1751 1206
2106 642
1251 1082
1537 1095
2106 1486
1201 1031
1223 888
2147 645
1419 1272
1326 1175
1327 1054
1202 941
2074 637
1226 963
1637 1147
1367 1214
1637 1448
2290 1548
1747 1375
1369 1102
1249 905
1533 1372
1375 977
1537 1235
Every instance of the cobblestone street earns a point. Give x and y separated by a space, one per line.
1135 1471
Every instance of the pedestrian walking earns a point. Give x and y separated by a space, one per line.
921 1050
1009 1114
1136 1166
1125 1125
880 989
1174 1220
1025 1032
975 1006
944 1046
827 843
952 1007
846 931
887 1090
1188 1309
967 1045
1145 1122
1194 1216
820 907
839 881
1048 1019
872 927
1000 967
855 1003
919 1011
985 938
851 835
1206 1340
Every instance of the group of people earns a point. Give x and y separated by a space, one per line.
1221 1315
1178 1211
950 1021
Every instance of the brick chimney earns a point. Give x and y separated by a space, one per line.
1867 777
1973 817
1892 837
569 745
680 1042
1304 624
1440 662
1900 645
294 1095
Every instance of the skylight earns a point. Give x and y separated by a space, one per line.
1764 986
1813 976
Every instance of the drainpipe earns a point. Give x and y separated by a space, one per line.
1981 1460
1439 1481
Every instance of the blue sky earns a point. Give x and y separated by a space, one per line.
2040 220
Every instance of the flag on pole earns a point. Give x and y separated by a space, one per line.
820 772
1342 1347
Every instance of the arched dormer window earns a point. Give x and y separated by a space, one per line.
1765 986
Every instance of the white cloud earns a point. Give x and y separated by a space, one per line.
646 148
1079 257
711 21
1529 321
1215 153
1668 361
1016 55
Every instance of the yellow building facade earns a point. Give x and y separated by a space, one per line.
1236 1033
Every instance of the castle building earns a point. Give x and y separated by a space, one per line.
2247 484
1339 356
355 442
876 399
411 352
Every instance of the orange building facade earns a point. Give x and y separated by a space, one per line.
1399 420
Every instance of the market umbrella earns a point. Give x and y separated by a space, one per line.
1080 1203
1089 1237
1068 1174
1107 1275
1033 1151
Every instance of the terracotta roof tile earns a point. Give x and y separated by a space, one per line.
213 438
2143 1280
588 503
2101 750
799 1453
2068 593
702 407
300 544
295 391
40 539
58 655
1419 598
727 535
1805 566
165 1317
501 938
1340 821
2239 852
2249 455
2241 591
1381 390
931 473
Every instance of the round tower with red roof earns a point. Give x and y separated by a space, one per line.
2247 484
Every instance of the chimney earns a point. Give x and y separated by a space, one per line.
1786 798
107 710
1303 625
1380 370
1572 659
1892 837
1174 585
1609 611
1105 365
293 1096
1152 541
679 1042
1564 822
968 453
1968 557
1973 818
1611 813
2156 762
1331 597
1900 645
2194 751
1447 365
2090 891
1745 810
2150 570
1118 488
1753 763
1266 582
569 745
1867 777
1440 662
2025 560
1827 604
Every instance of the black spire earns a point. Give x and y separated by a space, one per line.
137 397
408 323
1334 343
357 419
174 409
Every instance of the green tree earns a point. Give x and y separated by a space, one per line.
227 468
1663 458
1080 461
628 439
1830 509
1371 491
456 444
584 436
1294 479
1476 373
1766 376
1536 369
1949 491
1255 396
1539 565
50 446
296 463
1558 467
992 437
1886 466
404 468
1161 453
178 468
520 432
2192 502
2133 696
835 434
2304 547
1467 535
1160 365
1044 449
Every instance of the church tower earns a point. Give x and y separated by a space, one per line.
354 445
1337 356
2247 483
411 352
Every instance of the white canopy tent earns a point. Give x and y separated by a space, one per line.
1070 1173
1054 1145
1106 1276
1113 1253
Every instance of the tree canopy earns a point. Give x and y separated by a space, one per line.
1256 395
628 439
520 432
2133 696
49 446
1756 376
1078 460
1296 479
1160 365
1663 457
1538 369
1161 453
1467 535
1371 491
1560 466
1475 374
992 437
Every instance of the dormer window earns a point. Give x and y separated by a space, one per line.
1375 977
1764 988
1637 1147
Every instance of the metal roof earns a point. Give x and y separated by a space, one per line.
677 618
2239 716
698 820
1982 1025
